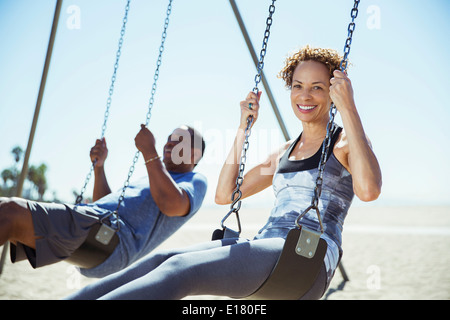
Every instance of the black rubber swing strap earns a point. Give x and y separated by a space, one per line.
293 275
92 252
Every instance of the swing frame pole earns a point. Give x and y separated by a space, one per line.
48 58
24 171
251 49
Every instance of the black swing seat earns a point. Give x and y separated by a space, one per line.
294 274
98 246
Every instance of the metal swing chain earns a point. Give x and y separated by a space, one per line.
237 194
330 126
150 106
109 99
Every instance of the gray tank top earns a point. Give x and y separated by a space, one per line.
293 184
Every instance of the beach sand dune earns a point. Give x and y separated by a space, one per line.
389 253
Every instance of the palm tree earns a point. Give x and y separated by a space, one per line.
37 176
8 175
11 174
17 153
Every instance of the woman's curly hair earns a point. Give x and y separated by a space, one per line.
329 57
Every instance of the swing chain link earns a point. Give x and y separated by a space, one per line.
262 54
348 41
237 194
158 63
79 198
150 106
330 126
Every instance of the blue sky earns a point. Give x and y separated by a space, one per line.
399 71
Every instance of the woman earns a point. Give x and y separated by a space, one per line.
237 267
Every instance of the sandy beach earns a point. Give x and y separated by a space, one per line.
389 253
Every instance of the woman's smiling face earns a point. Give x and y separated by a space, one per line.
310 99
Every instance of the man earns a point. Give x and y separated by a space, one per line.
153 208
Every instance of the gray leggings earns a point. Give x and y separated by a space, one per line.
229 267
